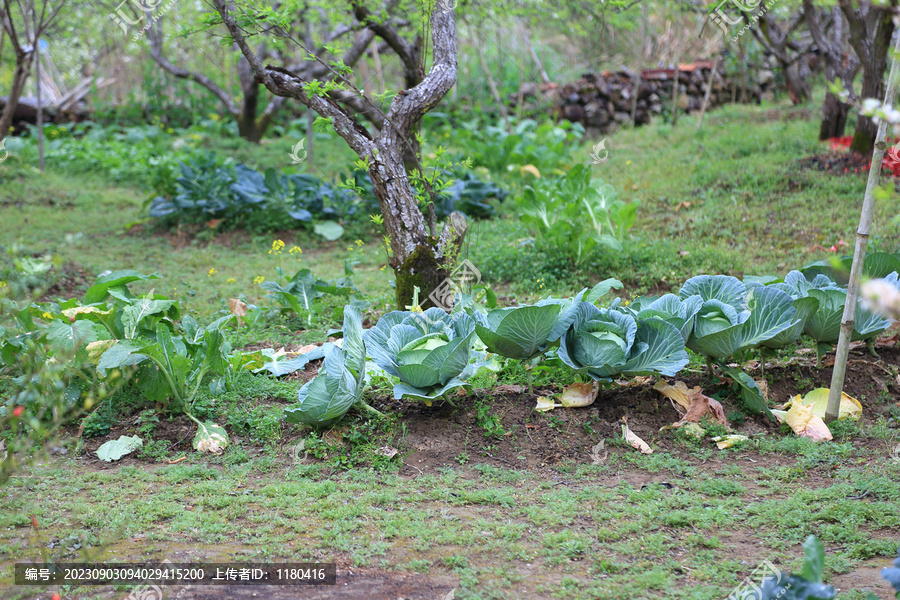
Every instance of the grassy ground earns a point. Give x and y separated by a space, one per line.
476 505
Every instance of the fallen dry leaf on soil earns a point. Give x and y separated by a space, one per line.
804 422
634 440
334 436
679 393
694 403
579 394
817 401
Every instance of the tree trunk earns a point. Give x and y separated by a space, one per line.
248 128
419 260
834 117
797 87
866 129
23 64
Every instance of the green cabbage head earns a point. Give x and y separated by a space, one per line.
428 351
607 343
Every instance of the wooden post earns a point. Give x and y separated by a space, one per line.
859 254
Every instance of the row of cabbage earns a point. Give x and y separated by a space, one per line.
720 318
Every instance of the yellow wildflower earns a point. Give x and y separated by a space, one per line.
416 309
627 162
47 316
212 272
277 247
170 131
2 284
359 243
214 116
259 279
196 136
382 268
230 280
296 250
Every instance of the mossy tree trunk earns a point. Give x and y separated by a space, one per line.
420 256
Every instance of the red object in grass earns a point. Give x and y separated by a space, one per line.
17 411
55 597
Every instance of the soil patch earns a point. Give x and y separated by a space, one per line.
840 163
72 281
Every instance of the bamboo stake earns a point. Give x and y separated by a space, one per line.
859 253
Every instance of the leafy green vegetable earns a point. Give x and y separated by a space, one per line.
606 343
876 265
340 383
525 332
733 318
301 292
428 351
670 308
892 574
577 214
824 324
241 196
209 438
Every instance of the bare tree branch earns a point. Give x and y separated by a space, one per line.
155 35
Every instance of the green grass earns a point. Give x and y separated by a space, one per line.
640 538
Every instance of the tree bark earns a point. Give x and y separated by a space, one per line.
23 65
866 129
834 117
